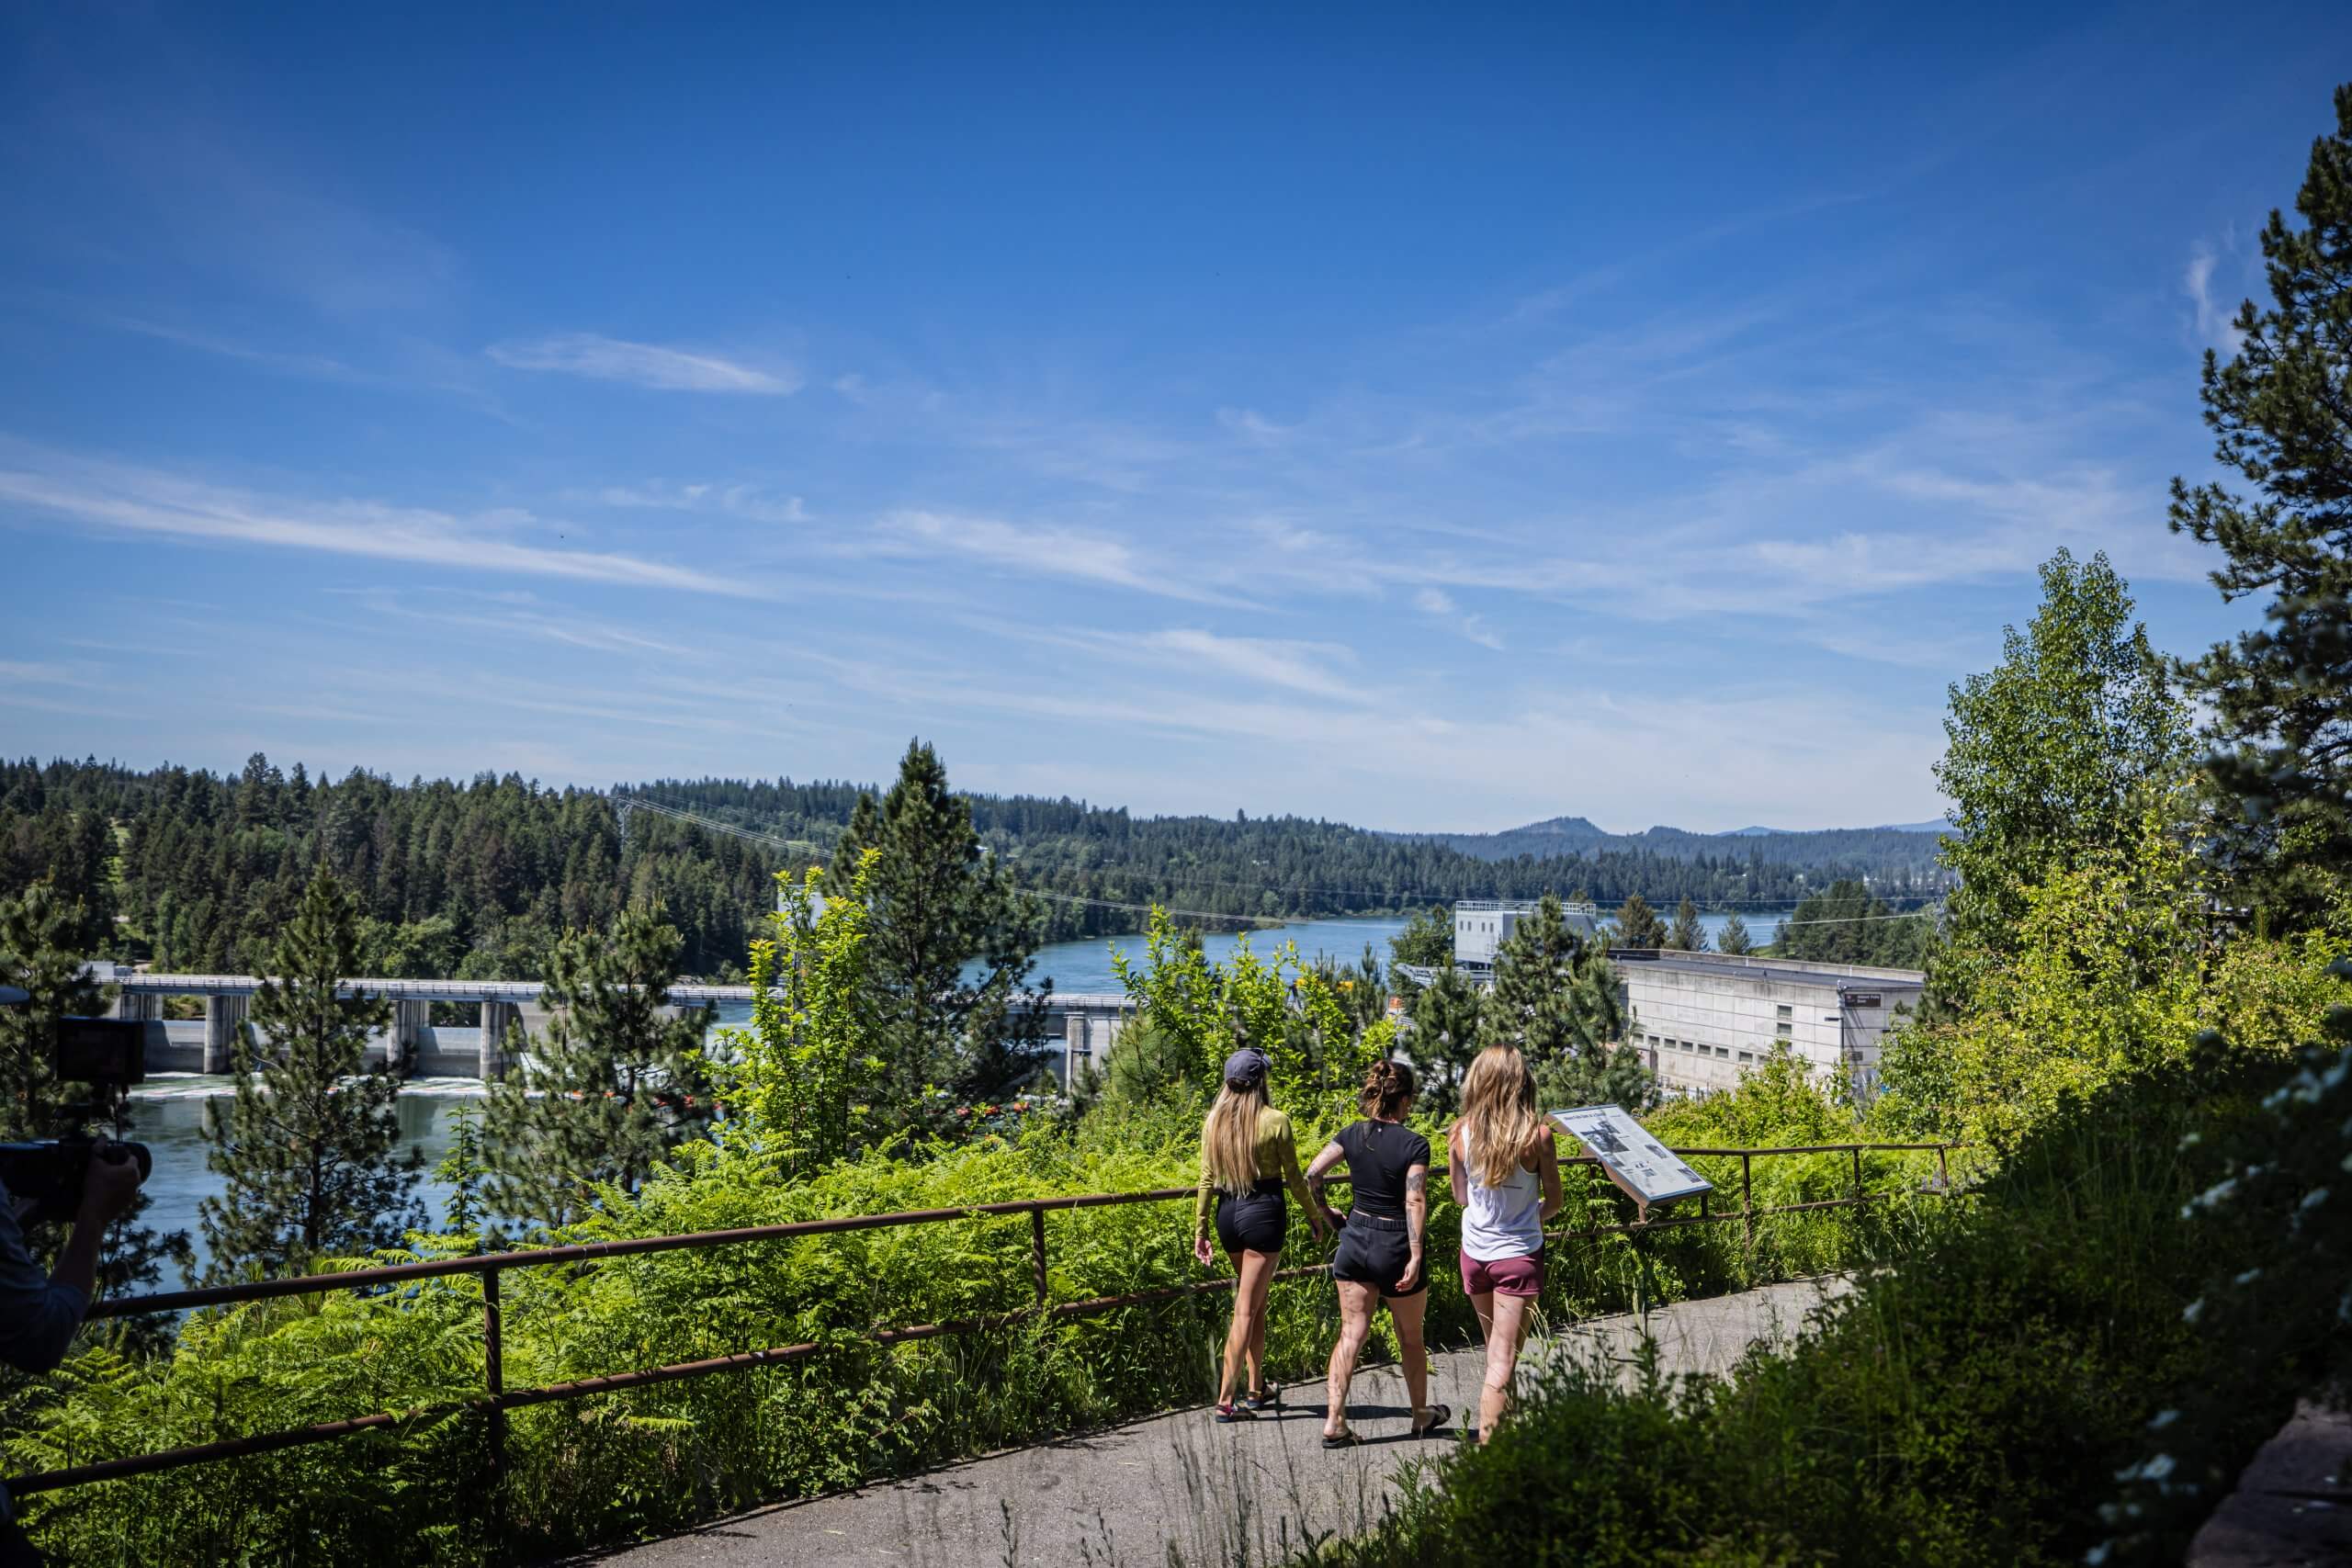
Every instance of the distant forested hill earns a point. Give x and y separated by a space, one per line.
1905 850
195 870
1276 866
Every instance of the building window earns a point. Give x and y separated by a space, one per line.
1723 1052
1748 1056
1785 1010
1784 1028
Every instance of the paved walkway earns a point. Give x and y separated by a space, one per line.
2290 1509
1215 1495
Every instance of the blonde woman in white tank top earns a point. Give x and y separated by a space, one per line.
1506 1175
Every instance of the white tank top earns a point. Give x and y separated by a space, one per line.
1499 1222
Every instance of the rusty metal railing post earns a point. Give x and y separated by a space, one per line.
1037 1253
1858 1173
1747 1209
1944 1171
493 1377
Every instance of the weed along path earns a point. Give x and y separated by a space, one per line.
1214 1494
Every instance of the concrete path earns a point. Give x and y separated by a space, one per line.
2291 1508
1181 1483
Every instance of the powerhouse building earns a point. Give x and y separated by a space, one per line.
1702 1019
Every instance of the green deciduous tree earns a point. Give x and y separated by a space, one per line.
1637 925
1426 942
2281 410
308 1150
1688 936
1555 999
2053 755
611 1087
949 946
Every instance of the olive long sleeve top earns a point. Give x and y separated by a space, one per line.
1277 1153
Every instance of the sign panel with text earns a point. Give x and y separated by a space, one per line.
1640 1163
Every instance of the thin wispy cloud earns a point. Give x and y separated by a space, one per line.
751 502
104 495
2216 318
653 366
1040 551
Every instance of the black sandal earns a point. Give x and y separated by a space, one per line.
1439 1416
1346 1440
1228 1413
1268 1397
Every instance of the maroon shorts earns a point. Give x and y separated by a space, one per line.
1503 1276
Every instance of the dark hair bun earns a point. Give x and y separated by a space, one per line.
1386 1086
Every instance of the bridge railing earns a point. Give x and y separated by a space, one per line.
496 1398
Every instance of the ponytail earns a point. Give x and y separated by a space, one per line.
1386 1090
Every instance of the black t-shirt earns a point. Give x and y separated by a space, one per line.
1379 1153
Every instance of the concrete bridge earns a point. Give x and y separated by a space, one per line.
1080 1026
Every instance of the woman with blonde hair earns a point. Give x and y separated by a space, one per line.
1383 1243
1247 1156
1506 1174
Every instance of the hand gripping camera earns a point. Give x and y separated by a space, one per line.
110 1055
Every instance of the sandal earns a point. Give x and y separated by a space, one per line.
1268 1397
1439 1415
1346 1440
1228 1413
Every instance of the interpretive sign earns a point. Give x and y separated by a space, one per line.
1637 1161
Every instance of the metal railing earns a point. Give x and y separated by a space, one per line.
497 1399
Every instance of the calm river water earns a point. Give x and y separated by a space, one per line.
169 1110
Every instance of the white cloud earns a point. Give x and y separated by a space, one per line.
1434 601
2216 324
113 495
748 501
642 364
1047 551
1306 667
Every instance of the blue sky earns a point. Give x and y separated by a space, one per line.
1436 417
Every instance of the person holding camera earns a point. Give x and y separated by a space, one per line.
40 1311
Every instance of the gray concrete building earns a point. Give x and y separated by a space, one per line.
1482 925
1702 1019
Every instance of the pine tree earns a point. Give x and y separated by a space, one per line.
1555 996
2281 408
950 944
1688 936
610 1088
1638 925
1733 937
1444 1038
309 1151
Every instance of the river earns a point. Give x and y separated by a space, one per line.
169 1110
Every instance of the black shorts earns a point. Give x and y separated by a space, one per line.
1254 1221
1377 1250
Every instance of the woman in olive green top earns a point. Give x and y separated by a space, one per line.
1248 1154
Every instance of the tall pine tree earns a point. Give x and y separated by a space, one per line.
1444 1037
1637 924
1555 999
610 1088
2282 411
949 946
1733 937
1688 936
308 1150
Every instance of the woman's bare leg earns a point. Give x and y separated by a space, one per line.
1257 1274
1357 1301
1505 1334
1405 1313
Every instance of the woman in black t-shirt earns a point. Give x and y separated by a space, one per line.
1382 1242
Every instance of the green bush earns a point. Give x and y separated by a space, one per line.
1973 1406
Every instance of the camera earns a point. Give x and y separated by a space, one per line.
110 1055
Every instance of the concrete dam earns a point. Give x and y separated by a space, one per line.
1080 1027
